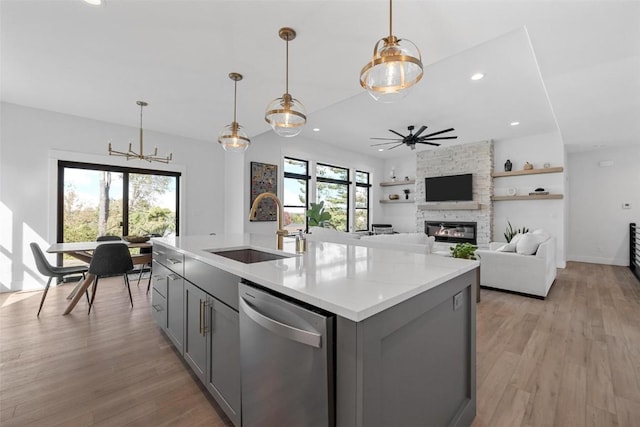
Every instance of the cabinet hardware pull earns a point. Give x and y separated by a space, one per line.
201 318
157 307
173 276
156 253
174 261
204 317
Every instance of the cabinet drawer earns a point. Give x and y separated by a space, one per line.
212 280
159 277
159 309
175 261
170 258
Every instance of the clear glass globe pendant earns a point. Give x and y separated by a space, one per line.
286 115
395 68
231 137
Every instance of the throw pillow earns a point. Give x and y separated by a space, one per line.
514 239
527 244
509 247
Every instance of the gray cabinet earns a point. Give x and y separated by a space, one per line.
168 292
223 347
195 338
196 305
212 347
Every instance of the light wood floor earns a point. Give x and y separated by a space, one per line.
571 360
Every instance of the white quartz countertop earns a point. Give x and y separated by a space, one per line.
351 281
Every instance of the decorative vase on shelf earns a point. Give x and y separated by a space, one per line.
508 166
528 166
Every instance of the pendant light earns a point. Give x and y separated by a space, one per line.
396 66
231 137
286 115
130 154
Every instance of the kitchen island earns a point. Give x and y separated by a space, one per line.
403 340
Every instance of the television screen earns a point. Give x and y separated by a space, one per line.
449 188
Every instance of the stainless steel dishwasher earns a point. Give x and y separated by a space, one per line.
287 357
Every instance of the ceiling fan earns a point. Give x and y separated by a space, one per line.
412 139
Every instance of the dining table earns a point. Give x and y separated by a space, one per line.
84 252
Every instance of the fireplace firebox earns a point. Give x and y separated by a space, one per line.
452 232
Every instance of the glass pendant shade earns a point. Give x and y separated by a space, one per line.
286 115
395 68
233 139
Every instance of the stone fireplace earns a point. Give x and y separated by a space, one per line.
452 231
475 158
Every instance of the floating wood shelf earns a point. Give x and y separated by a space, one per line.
396 201
528 172
449 206
532 197
392 183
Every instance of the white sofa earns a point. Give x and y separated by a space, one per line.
411 242
525 274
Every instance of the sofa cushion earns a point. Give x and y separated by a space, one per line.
507 247
528 244
515 238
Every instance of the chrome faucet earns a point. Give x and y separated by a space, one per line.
254 210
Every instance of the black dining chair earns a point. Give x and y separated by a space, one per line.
108 238
51 271
110 259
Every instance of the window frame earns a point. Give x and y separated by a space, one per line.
306 177
366 185
125 170
346 182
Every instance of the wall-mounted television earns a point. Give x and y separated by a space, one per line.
449 188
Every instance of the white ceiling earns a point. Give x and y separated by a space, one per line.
548 64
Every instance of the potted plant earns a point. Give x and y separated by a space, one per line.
463 250
510 231
318 217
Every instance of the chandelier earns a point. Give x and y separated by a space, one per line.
286 115
140 155
231 137
395 67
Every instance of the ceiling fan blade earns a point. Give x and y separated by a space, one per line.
384 143
440 137
388 139
437 133
429 143
395 146
399 134
422 129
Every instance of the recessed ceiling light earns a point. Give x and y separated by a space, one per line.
515 123
316 129
477 76
94 2
380 149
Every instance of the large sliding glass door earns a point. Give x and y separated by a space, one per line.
97 200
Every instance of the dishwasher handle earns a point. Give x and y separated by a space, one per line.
286 331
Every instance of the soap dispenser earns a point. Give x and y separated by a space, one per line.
301 243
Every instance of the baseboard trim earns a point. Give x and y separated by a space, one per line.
599 260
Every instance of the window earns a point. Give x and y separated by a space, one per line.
96 200
361 220
332 187
296 191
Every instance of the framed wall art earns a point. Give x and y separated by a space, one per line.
264 179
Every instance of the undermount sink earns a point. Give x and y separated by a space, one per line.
247 255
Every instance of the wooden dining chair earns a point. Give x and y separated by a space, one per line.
51 271
110 259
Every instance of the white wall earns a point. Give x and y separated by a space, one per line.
534 214
403 215
271 148
31 140
599 226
